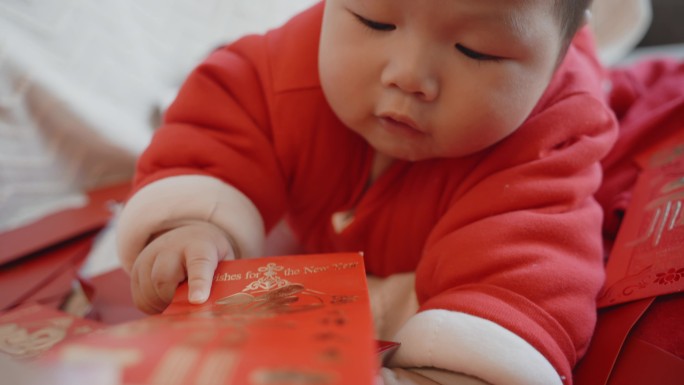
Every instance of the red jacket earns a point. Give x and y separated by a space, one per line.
507 240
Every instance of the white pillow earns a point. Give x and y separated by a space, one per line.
619 26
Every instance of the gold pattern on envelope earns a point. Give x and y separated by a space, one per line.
27 341
269 295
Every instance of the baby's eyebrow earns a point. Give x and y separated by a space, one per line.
514 23
508 18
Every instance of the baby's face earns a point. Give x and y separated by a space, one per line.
420 79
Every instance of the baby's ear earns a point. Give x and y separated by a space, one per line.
587 17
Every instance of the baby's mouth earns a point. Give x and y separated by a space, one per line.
400 123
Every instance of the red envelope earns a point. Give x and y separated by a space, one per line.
654 353
57 290
63 225
21 280
636 343
612 328
648 255
644 363
275 320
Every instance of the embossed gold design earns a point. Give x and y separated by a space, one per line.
284 299
19 342
270 280
268 295
666 217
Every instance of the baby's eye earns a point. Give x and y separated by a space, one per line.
374 25
477 55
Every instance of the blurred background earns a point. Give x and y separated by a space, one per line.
667 26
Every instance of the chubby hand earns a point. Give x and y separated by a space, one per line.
190 251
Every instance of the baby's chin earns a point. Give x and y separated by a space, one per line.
410 154
405 154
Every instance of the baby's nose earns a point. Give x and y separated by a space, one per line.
411 73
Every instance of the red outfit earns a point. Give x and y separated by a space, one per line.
510 235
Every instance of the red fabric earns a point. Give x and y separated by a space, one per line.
648 99
511 234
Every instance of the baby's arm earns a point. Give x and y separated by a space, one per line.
180 227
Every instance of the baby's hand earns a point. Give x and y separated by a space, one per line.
190 251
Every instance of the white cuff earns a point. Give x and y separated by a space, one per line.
463 343
163 204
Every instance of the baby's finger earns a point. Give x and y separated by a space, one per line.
143 293
166 273
200 262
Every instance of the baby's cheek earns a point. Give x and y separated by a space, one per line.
483 131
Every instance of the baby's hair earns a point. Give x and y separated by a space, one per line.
571 14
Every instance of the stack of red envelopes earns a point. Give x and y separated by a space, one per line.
639 337
43 296
39 262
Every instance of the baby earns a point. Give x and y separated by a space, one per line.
458 140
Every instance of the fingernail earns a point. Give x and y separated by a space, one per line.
198 296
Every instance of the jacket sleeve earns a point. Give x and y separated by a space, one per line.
219 125
215 143
508 279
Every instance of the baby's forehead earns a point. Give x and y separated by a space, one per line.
521 20
517 12
517 18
